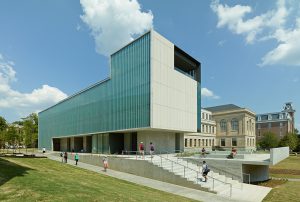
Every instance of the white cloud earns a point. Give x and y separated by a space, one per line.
287 51
269 25
114 23
21 104
208 93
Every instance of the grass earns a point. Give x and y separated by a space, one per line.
288 168
46 180
282 191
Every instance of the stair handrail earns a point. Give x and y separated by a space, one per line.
197 172
184 167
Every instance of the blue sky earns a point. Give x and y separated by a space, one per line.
249 50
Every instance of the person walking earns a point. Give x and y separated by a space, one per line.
105 163
62 156
205 171
142 149
203 152
66 157
76 158
151 149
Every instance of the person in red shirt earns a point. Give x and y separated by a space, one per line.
142 149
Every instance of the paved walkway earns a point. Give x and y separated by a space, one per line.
155 184
288 179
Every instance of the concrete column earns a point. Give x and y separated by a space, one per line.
84 144
72 143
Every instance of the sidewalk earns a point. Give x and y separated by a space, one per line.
155 184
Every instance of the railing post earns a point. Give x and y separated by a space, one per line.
230 190
213 188
184 172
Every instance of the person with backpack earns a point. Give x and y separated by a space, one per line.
205 171
142 149
76 158
151 149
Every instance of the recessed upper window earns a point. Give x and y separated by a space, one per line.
186 64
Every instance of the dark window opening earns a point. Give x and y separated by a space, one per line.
187 65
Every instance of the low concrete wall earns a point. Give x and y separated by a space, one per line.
137 167
278 154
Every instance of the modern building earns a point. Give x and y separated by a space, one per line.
279 123
152 95
235 127
206 138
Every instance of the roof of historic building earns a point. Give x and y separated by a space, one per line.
220 108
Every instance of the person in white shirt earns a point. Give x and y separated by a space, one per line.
205 171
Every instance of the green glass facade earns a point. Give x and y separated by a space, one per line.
118 103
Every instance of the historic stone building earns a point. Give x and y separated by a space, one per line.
235 127
279 123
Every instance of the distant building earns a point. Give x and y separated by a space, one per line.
206 138
235 127
279 123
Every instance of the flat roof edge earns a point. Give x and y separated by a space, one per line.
79 92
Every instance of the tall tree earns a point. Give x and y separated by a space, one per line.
3 127
30 127
289 140
269 140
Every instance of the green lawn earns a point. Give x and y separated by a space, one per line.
288 168
282 191
46 180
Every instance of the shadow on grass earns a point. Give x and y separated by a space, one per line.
9 170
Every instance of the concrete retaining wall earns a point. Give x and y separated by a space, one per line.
137 167
278 154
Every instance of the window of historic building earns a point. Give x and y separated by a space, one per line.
191 142
213 130
223 142
223 125
234 124
195 143
234 142
199 142
185 142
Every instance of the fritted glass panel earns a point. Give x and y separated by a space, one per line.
119 103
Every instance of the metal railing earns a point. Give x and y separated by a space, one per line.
185 168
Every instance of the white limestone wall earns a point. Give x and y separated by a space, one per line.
279 154
163 141
173 94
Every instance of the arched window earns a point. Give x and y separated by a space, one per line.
234 125
223 125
